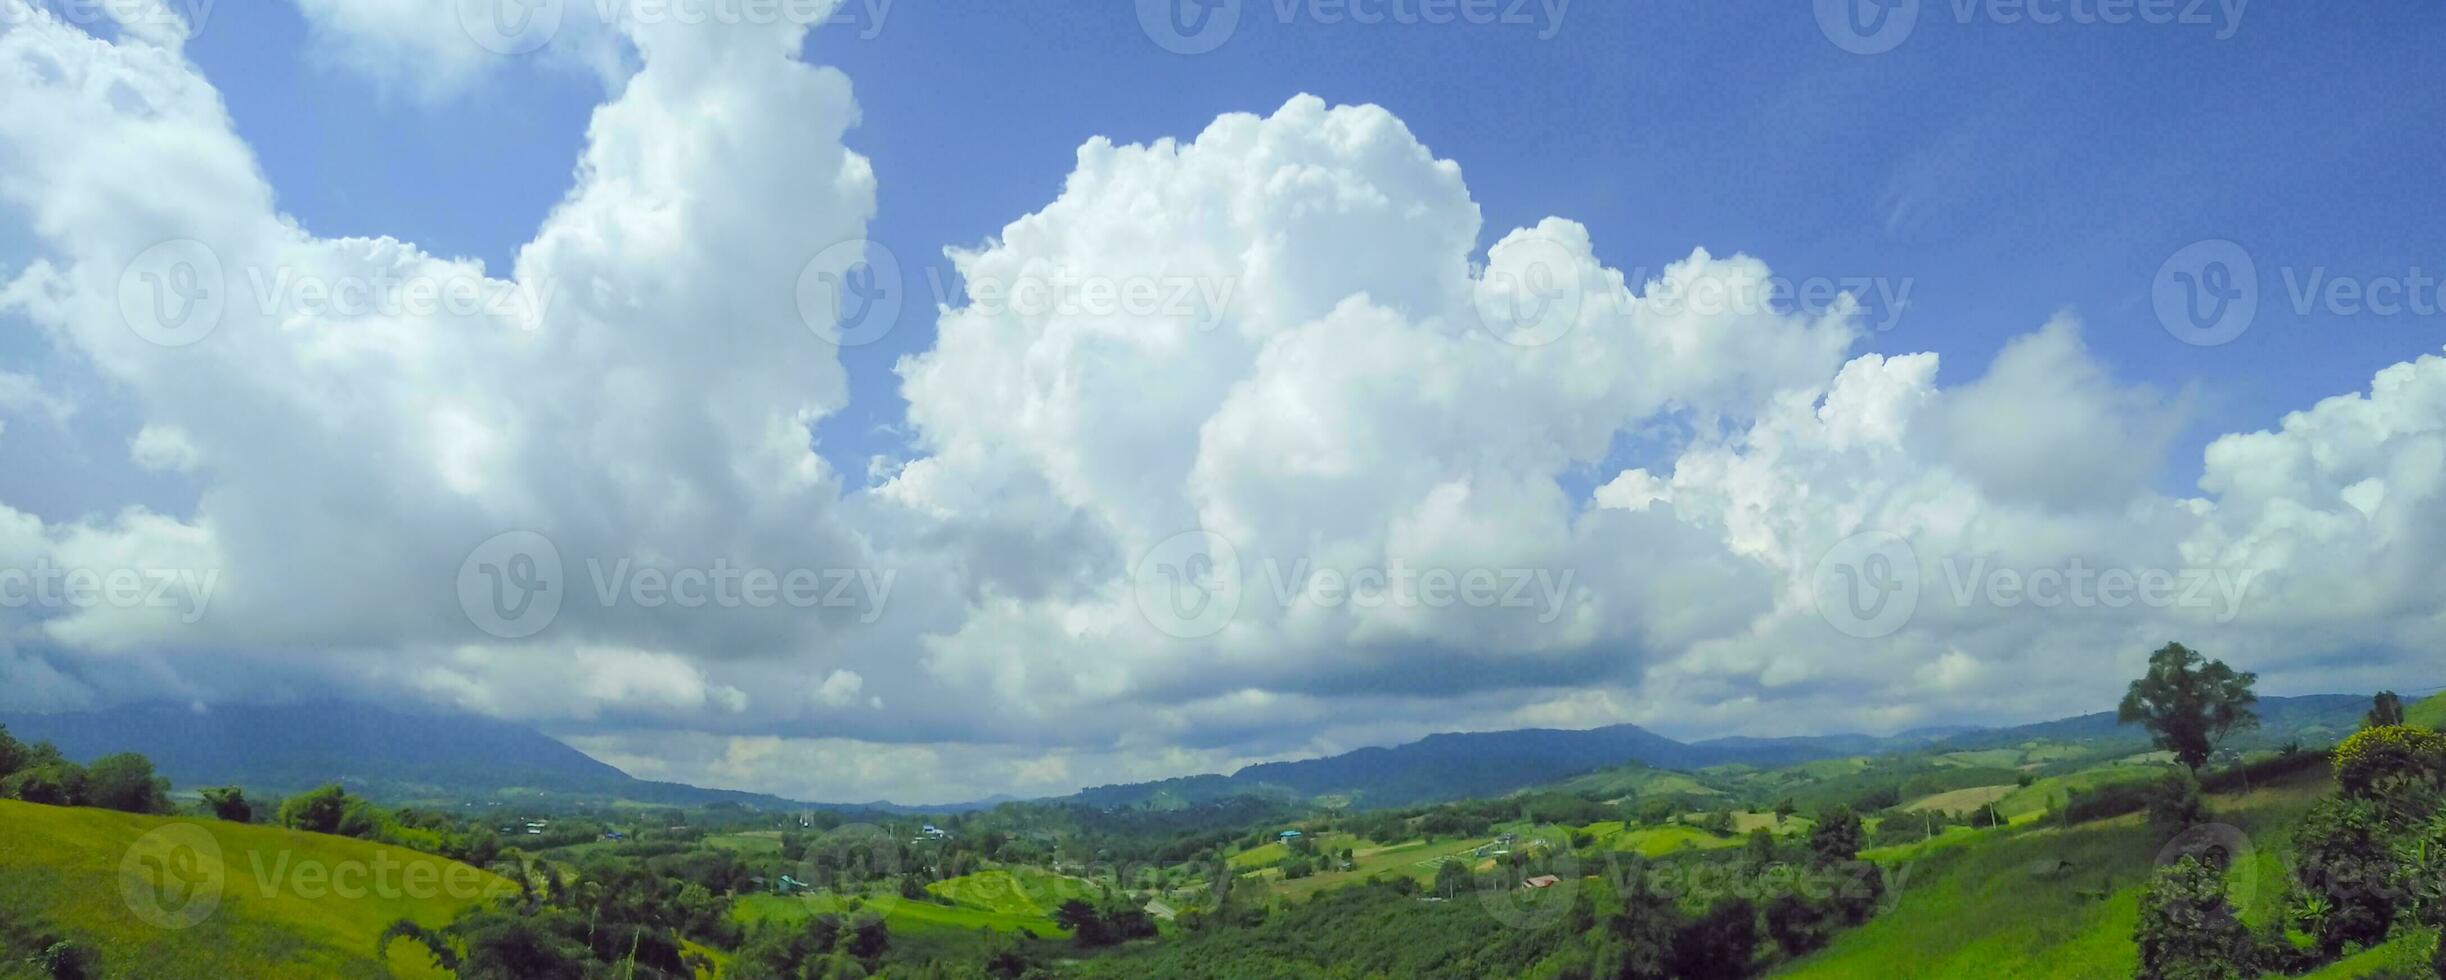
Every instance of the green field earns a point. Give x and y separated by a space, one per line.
2045 902
1022 892
289 904
902 916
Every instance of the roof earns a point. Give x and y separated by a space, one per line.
1541 881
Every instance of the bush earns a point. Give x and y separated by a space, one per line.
2345 873
126 782
2385 761
2187 930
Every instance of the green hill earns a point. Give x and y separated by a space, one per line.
2046 902
169 897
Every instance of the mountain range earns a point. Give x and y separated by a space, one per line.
413 755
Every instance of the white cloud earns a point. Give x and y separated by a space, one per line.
1328 379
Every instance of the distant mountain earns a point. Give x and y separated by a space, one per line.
1455 766
1458 766
2313 719
375 751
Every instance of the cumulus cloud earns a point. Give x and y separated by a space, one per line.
1281 334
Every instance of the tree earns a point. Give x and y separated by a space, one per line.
2188 931
1720 945
1837 836
126 782
319 811
1450 879
1784 809
2385 709
229 803
2189 703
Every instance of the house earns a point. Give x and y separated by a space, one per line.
1288 836
790 886
1541 881
614 835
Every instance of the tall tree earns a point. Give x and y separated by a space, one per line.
2189 703
2385 709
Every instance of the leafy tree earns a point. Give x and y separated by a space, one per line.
2385 709
1784 809
2175 805
1837 836
45 776
1720 944
13 753
2188 931
2189 703
1451 879
229 803
1761 849
319 811
1640 938
126 782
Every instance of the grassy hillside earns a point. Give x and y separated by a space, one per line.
290 904
2045 902
2430 713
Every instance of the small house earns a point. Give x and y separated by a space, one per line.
1541 881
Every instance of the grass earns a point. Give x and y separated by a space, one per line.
291 904
1961 800
2044 901
1024 892
2405 957
2427 713
899 915
1660 841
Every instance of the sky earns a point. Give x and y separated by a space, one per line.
927 401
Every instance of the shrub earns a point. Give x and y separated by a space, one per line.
2389 760
2345 871
2187 931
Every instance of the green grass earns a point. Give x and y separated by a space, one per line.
1996 904
1660 841
1025 892
291 904
2428 713
899 915
2405 957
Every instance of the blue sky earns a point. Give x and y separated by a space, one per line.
2004 171
1997 172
